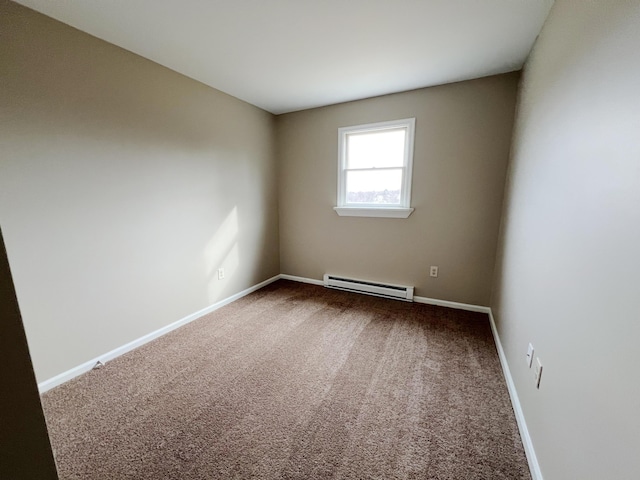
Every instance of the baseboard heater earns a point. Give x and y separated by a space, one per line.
397 292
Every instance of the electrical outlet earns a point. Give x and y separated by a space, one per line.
537 372
530 355
220 273
433 271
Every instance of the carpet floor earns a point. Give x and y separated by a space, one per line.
296 381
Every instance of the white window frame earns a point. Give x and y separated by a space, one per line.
369 209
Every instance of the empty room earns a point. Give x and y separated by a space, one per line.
286 239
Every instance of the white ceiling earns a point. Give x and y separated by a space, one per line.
287 55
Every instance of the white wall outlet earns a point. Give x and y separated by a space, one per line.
529 355
220 273
537 372
433 271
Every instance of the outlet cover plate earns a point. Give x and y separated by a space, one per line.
530 355
538 372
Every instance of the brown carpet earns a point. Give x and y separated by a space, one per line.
297 382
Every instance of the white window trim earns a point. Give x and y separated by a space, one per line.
376 210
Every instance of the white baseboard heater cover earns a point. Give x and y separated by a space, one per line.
398 292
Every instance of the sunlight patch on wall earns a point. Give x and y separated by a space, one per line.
222 252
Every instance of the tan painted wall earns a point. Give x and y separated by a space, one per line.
568 277
463 133
25 451
123 187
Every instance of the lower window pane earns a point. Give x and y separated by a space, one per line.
381 187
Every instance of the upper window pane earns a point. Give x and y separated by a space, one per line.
376 149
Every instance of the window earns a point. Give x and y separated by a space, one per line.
374 169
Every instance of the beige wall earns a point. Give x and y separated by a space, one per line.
463 133
568 277
25 452
123 187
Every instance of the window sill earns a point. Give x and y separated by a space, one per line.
373 212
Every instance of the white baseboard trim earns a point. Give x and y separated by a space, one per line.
312 281
429 301
457 305
86 366
532 459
